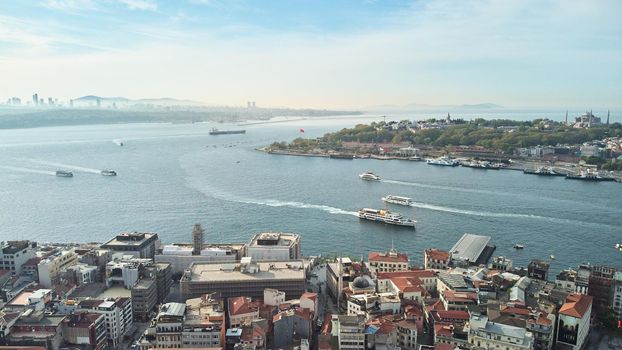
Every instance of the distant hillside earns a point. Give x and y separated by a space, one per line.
11 118
123 102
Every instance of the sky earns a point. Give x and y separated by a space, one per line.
338 54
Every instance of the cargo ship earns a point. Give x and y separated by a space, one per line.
385 216
215 131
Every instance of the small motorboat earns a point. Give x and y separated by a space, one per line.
518 246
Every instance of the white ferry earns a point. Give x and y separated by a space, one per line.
443 161
64 173
369 176
385 216
108 173
398 200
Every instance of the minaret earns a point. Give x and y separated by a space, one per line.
197 239
566 117
607 117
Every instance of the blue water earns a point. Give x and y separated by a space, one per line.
171 176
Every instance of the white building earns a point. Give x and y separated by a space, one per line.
83 273
180 256
485 334
350 331
573 323
124 270
50 268
273 297
617 294
13 254
274 246
118 316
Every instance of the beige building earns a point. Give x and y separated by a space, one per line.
274 246
390 261
485 334
435 259
246 278
350 331
50 268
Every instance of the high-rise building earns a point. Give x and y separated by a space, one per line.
35 99
601 287
197 239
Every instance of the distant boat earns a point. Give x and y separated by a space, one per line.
416 159
64 173
118 142
369 176
215 131
552 257
108 173
619 247
443 161
398 200
518 246
543 171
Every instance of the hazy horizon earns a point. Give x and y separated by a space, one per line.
324 54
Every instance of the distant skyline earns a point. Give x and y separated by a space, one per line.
317 54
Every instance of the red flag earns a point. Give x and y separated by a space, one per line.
302 130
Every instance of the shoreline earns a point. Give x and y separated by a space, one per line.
515 166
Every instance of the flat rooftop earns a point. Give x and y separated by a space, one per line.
130 239
268 270
274 239
469 247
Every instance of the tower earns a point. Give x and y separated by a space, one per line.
197 239
607 117
566 117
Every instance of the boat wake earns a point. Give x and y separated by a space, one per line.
449 188
272 202
66 166
501 215
27 170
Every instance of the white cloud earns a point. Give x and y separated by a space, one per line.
145 5
510 52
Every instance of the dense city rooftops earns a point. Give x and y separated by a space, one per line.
388 257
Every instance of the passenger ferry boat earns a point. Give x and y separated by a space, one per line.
443 161
109 173
64 173
543 171
385 216
398 200
369 176
588 175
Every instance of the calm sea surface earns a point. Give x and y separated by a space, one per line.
174 175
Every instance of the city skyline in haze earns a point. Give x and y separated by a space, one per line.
320 54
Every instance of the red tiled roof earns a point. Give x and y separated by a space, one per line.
443 329
451 314
386 328
398 257
408 324
4 272
444 346
241 305
32 262
309 295
324 345
515 311
413 310
437 254
408 284
453 296
437 305
411 273
576 305
327 325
